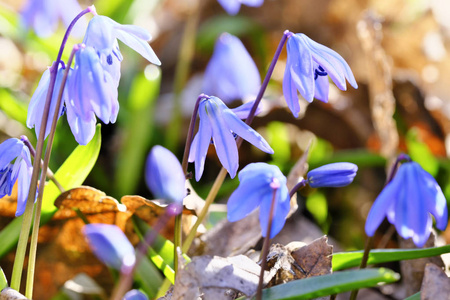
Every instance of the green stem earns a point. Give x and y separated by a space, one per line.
37 213
363 264
177 242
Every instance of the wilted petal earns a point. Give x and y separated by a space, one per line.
109 244
164 175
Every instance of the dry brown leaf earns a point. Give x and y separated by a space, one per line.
435 284
157 207
11 294
282 266
213 276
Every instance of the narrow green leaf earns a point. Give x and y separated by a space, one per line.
71 174
12 107
344 260
325 285
149 277
420 152
416 296
3 280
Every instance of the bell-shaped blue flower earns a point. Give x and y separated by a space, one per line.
231 73
37 102
135 295
15 165
232 6
307 69
332 175
110 245
164 175
408 202
258 182
43 16
219 123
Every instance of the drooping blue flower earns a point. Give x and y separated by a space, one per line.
258 181
15 165
218 122
164 175
135 295
332 175
232 6
44 15
307 67
110 245
93 84
37 102
231 73
407 202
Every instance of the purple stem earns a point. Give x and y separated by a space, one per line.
190 137
298 186
401 157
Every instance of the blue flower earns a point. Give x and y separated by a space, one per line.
37 102
232 6
15 164
308 64
407 202
332 175
231 73
110 245
96 74
44 15
135 295
164 175
218 122
258 181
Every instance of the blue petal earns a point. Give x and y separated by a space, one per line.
23 185
290 92
164 175
436 204
332 175
193 150
300 64
245 131
223 139
231 6
108 243
9 150
332 62
281 209
83 129
204 139
322 88
245 199
135 295
243 110
254 3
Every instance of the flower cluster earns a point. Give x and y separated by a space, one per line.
15 164
91 88
408 202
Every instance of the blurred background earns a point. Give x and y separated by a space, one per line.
398 51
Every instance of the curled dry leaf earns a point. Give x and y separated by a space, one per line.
213 277
435 284
11 294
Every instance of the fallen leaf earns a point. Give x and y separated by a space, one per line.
11 294
435 284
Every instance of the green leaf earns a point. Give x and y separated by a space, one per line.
420 153
329 284
360 157
71 174
416 296
344 260
148 276
137 129
12 107
3 280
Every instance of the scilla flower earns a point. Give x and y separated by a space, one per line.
307 69
110 245
15 165
44 15
408 202
218 122
164 175
231 73
135 295
93 84
232 6
258 182
332 175
37 102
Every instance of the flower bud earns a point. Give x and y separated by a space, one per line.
332 175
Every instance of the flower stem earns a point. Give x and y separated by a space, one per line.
37 213
363 264
265 248
298 186
223 172
177 242
126 276
50 174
